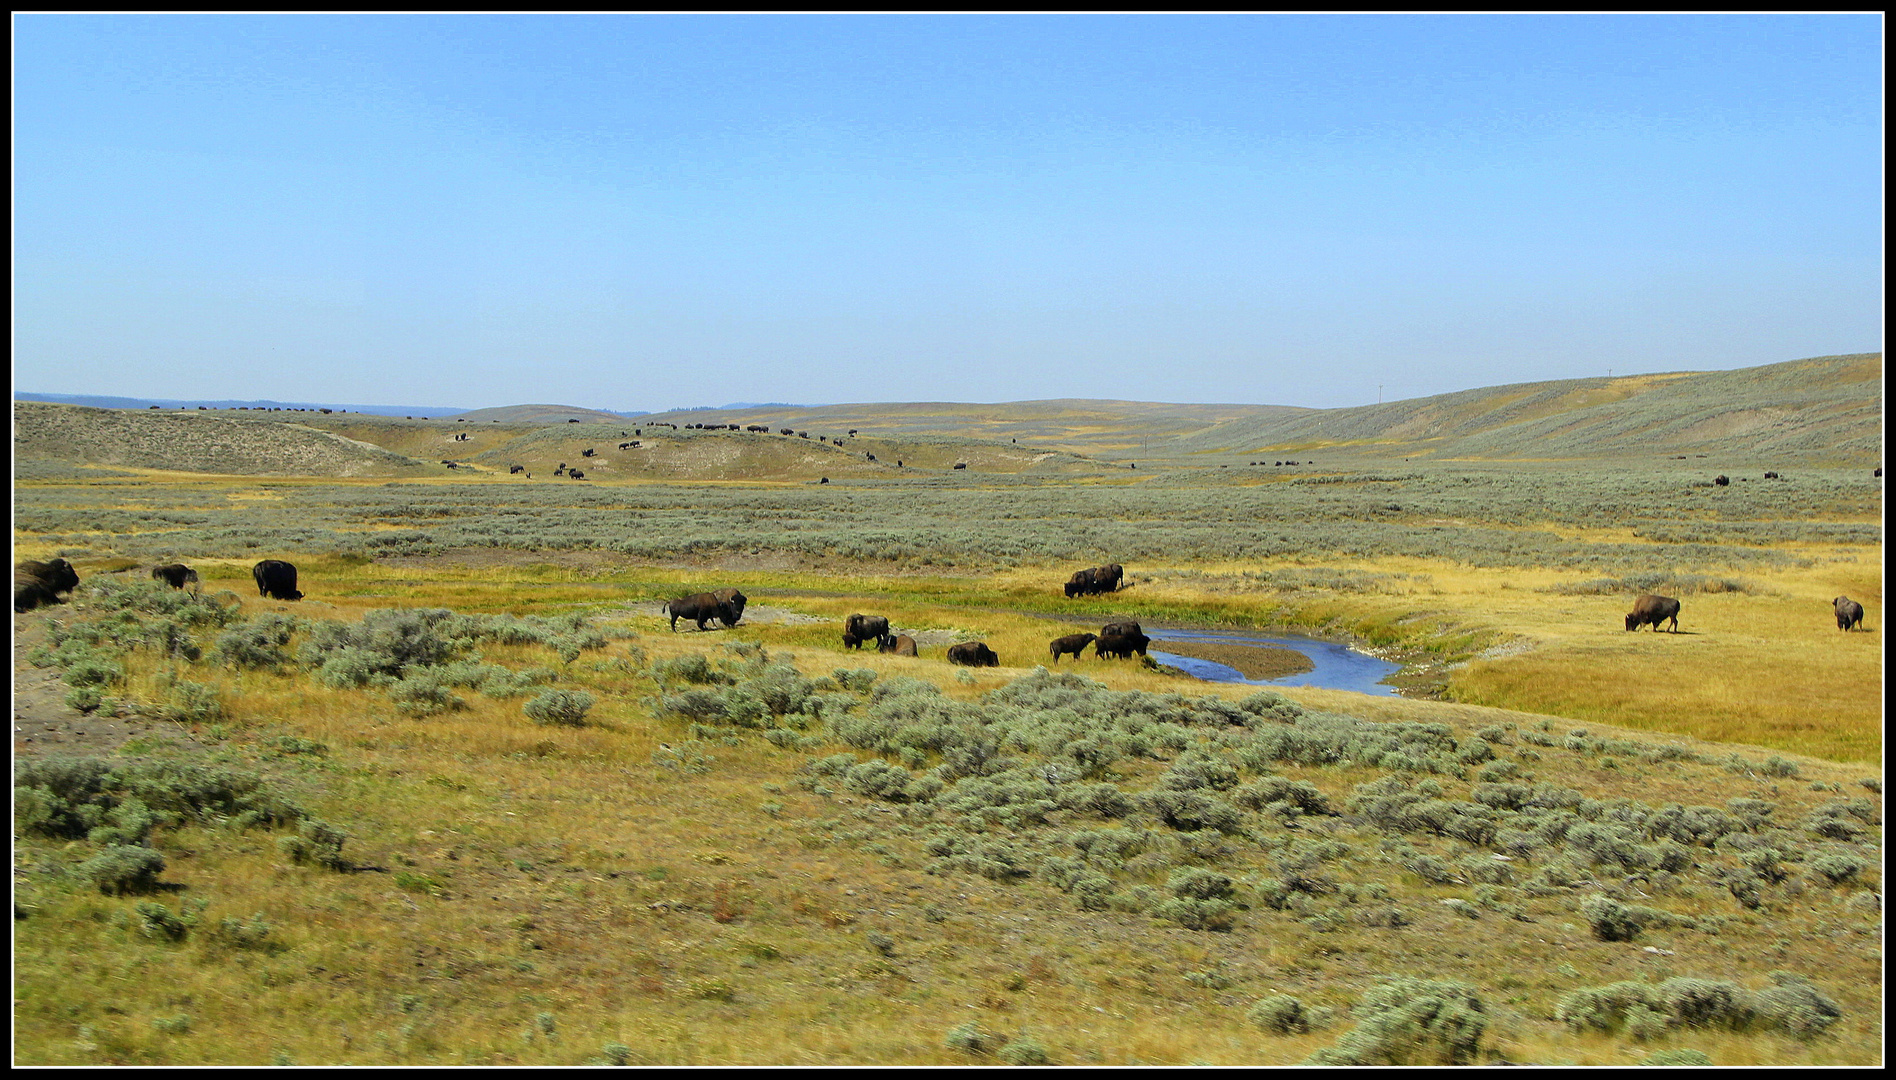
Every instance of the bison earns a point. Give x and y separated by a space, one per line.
702 607
1097 579
860 628
736 600
1072 643
1080 584
1653 610
973 654
36 584
276 579
176 575
899 644
1849 613
1121 642
1722 481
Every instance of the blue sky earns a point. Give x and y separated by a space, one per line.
639 212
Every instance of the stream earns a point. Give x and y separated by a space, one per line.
1338 667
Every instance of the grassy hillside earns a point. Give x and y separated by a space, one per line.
1826 410
195 442
1819 410
1086 427
537 414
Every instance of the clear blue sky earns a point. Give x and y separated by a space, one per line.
641 212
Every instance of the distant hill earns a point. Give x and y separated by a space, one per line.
203 442
1825 407
98 402
1820 410
1075 425
542 414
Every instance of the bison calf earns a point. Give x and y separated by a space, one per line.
1072 643
176 575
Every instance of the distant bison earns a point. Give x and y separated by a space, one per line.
276 579
176 575
1097 579
1072 643
1653 610
899 644
1120 639
973 654
1722 481
1849 613
36 584
702 607
860 628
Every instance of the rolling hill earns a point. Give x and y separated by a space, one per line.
1820 410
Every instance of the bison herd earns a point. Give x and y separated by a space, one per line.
38 584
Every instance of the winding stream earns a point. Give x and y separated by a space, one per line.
1338 667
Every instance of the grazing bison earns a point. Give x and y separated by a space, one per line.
1072 643
1722 481
1121 640
973 654
276 579
899 644
176 575
860 628
1849 613
36 584
1097 579
702 607
1654 610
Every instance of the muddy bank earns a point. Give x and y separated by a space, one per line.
1260 662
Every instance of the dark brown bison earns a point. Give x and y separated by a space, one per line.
1097 579
176 575
899 644
1120 639
276 579
36 584
1722 481
1080 584
1072 643
1653 610
1849 613
735 600
973 654
702 607
860 628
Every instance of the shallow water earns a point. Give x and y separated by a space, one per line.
1338 667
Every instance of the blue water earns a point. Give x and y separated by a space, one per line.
1338 667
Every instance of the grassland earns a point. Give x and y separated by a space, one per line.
758 847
